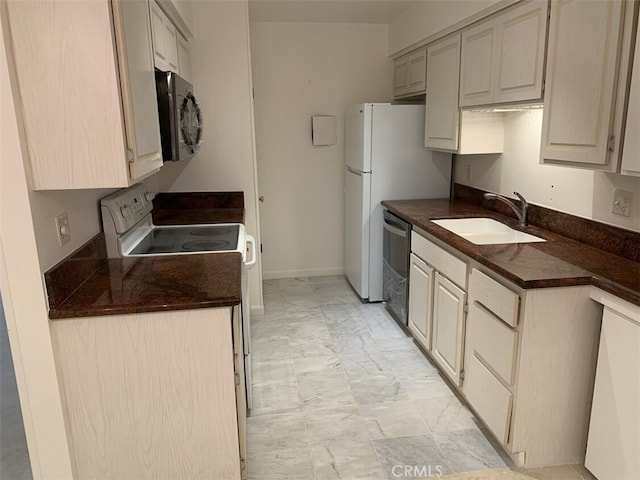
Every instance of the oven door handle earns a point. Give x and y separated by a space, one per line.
251 246
395 230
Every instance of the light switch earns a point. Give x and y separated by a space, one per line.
323 130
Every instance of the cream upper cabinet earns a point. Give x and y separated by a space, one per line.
184 60
442 112
502 60
89 110
137 78
165 40
401 76
583 65
477 65
409 72
631 150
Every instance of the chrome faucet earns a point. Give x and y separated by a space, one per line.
521 212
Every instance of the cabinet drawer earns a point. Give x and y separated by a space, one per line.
449 265
493 341
494 296
491 400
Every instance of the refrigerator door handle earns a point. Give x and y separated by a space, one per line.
357 172
395 230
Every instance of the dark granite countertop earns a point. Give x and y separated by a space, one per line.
560 261
88 284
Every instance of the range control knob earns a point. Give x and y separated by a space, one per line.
125 211
149 196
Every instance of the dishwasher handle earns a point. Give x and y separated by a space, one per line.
395 230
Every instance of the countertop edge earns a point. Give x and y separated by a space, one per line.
592 279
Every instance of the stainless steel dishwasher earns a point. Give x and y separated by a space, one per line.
395 281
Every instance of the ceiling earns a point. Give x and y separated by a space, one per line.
328 11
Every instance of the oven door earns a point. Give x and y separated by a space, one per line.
396 249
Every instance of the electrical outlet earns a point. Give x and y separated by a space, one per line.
62 228
469 172
622 201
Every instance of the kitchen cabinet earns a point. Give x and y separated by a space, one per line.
87 92
587 62
409 73
421 279
502 60
449 304
184 60
152 395
437 303
523 359
442 112
165 40
614 432
477 65
447 128
630 164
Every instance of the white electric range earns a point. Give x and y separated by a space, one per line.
129 232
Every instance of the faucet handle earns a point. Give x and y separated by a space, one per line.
524 202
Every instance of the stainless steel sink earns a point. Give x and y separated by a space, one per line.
486 231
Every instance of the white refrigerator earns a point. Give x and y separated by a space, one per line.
385 159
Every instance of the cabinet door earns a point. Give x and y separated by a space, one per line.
184 60
582 65
519 56
401 76
138 84
157 32
631 149
477 65
442 112
69 93
420 300
448 326
417 67
165 40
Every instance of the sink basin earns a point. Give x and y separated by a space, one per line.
486 231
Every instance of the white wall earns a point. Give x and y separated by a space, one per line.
429 18
299 70
221 70
584 193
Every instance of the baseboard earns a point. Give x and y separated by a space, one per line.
312 272
257 309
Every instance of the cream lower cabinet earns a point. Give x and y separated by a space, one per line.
449 304
529 367
151 395
524 359
421 277
437 303
85 76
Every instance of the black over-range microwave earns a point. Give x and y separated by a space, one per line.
180 117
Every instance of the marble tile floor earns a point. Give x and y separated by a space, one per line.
341 392
14 456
